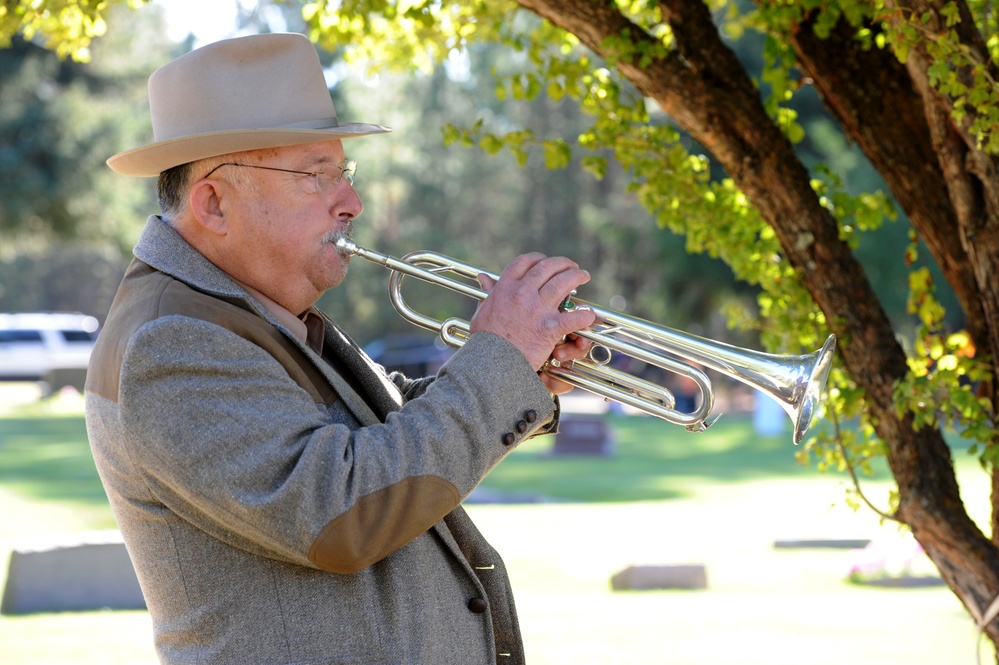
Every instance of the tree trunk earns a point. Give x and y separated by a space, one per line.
707 92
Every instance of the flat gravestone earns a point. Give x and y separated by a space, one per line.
584 434
822 543
644 578
56 379
74 573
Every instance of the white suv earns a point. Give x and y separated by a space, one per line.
33 345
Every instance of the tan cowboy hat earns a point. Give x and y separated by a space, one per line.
261 91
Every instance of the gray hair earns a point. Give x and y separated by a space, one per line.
174 184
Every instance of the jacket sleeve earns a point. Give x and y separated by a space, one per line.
413 388
224 438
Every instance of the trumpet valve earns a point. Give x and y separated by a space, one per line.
599 355
567 305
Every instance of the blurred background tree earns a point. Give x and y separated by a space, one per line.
418 192
66 221
70 101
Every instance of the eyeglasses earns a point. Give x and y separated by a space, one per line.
324 180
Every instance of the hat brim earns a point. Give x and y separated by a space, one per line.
151 160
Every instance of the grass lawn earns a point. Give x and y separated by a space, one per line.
720 499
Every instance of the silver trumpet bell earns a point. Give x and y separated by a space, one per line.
793 381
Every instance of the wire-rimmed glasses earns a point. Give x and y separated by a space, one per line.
323 180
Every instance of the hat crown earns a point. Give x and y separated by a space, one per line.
247 93
254 82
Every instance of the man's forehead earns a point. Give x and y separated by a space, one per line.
321 153
306 153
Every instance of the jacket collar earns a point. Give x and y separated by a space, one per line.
162 248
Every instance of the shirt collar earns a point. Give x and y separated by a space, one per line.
309 327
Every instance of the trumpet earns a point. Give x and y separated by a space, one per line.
795 382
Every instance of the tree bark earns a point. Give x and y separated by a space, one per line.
937 175
871 94
707 92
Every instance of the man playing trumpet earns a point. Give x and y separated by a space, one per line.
282 499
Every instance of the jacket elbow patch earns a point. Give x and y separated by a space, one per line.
382 522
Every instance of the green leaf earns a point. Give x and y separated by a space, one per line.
557 153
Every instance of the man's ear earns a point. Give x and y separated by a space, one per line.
206 205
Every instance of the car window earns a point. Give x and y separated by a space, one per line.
77 336
8 336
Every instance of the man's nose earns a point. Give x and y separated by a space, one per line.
348 202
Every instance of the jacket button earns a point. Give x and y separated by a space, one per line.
521 426
531 416
477 605
509 439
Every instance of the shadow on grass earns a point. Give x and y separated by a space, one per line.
48 459
654 460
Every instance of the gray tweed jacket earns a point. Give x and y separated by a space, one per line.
280 507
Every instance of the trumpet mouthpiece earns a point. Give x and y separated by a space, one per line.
346 245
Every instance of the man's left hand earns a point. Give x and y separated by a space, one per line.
571 348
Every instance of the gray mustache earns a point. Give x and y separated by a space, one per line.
333 236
